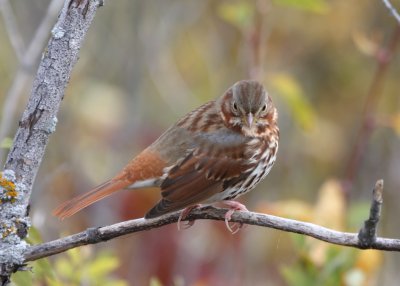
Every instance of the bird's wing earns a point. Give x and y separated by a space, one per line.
215 158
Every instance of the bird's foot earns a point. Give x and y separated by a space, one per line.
233 206
184 214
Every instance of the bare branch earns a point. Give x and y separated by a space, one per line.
12 28
96 235
37 123
383 57
25 69
392 10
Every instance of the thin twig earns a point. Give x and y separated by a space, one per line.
25 70
367 234
11 26
101 234
162 67
392 10
384 56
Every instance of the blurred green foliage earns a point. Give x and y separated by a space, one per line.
6 143
237 13
79 266
291 92
341 266
304 272
317 6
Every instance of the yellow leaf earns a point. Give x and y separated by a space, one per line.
290 90
316 6
325 142
238 13
329 212
294 209
75 256
369 261
64 268
395 123
102 107
331 205
103 264
364 44
6 143
155 282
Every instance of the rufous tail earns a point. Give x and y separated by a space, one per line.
78 203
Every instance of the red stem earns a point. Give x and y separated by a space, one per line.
383 57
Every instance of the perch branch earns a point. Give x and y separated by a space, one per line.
101 234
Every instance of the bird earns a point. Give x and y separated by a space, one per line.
215 153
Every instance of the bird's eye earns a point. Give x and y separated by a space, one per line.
264 107
235 106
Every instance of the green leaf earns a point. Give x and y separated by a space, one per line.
6 143
102 265
75 256
43 269
238 13
64 267
317 6
292 93
24 278
34 236
357 214
53 282
71 268
296 275
299 241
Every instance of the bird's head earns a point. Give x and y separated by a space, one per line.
246 107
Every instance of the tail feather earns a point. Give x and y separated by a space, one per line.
78 203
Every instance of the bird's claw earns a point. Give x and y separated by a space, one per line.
184 214
186 225
234 227
233 206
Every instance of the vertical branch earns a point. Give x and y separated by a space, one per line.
367 234
256 41
24 71
37 123
12 29
384 57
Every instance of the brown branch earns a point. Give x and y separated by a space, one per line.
101 234
383 56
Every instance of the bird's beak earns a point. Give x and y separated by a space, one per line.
250 119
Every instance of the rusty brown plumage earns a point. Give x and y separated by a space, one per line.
216 152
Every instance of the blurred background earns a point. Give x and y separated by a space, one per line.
332 69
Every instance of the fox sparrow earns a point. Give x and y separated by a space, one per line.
215 153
